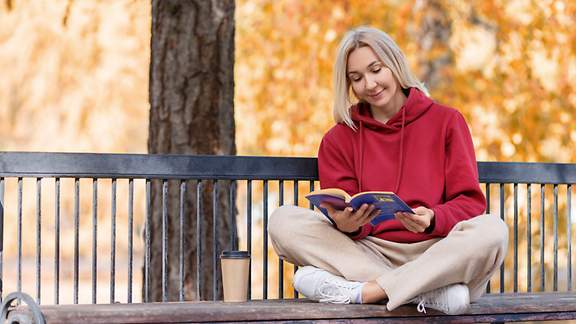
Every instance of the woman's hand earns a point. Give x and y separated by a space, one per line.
348 220
417 222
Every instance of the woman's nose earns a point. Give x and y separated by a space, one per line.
370 83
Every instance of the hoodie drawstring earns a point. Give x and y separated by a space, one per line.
401 160
417 102
361 156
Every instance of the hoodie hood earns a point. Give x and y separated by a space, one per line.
415 106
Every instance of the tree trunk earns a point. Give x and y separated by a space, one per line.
191 112
434 28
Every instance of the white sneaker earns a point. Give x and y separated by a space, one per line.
321 285
452 299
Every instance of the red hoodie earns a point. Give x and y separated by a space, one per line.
424 154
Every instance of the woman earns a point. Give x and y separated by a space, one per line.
394 138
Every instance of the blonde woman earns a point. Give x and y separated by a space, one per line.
390 136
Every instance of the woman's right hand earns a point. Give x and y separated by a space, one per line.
348 220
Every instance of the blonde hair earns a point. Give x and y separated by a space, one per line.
386 50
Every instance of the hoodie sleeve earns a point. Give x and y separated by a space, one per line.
336 170
336 165
463 197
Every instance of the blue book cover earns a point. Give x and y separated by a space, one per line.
387 202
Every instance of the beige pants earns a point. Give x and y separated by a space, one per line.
470 254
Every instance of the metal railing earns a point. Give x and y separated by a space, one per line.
91 230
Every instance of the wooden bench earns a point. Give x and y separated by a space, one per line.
535 283
489 309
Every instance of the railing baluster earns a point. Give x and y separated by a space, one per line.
164 240
265 241
231 214
555 278
296 198
130 236
38 240
280 261
181 241
113 245
488 212
569 234
57 241
19 288
529 236
542 238
1 237
502 213
515 237
199 213
215 240
147 248
487 198
249 231
94 240
311 188
76 236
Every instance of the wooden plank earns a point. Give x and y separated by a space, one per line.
506 307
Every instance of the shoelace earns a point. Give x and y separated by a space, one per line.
420 307
340 296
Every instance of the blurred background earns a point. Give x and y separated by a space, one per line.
74 78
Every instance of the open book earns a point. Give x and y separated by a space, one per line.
387 202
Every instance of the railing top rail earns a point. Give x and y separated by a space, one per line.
527 172
173 166
161 166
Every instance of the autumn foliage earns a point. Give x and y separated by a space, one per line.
74 77
509 66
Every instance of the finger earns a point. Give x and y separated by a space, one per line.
410 224
364 208
423 220
401 218
373 215
327 206
358 215
332 212
415 224
370 213
420 210
348 211
406 224
412 228
415 219
374 212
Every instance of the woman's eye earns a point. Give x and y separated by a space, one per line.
356 79
376 70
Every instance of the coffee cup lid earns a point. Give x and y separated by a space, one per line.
235 254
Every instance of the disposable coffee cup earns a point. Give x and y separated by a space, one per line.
235 269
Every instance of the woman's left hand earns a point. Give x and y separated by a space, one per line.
417 222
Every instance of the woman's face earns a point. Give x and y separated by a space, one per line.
371 81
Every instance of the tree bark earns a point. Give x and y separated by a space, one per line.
433 36
191 112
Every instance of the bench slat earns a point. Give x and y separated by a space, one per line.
505 307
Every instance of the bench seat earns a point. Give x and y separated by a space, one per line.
490 308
